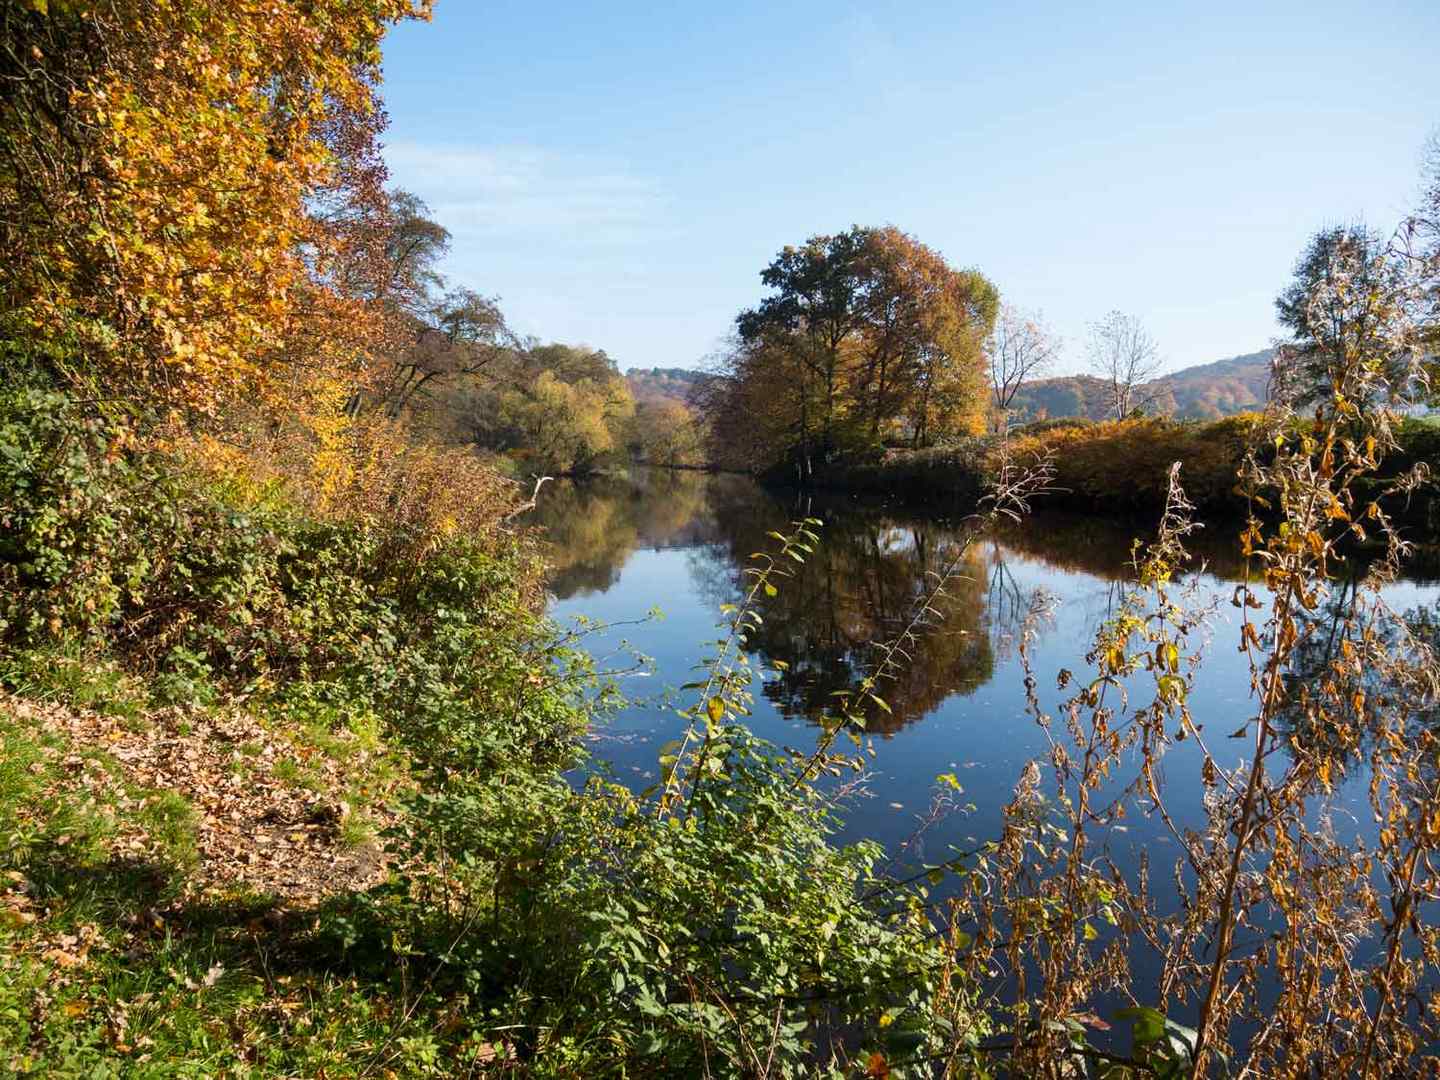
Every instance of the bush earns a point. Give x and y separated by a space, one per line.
133 554
1054 423
955 471
1125 464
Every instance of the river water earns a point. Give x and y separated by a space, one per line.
676 543
651 559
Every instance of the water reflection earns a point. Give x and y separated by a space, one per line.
1352 651
681 541
861 587
592 528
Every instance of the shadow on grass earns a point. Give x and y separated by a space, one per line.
348 936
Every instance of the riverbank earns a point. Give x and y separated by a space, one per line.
1118 468
286 790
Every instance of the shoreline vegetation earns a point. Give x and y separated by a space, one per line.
294 769
1116 468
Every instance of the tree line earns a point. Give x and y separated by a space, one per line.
870 339
459 370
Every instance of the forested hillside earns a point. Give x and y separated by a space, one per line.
663 384
1204 392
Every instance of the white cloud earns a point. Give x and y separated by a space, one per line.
527 194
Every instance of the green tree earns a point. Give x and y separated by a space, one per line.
813 314
562 408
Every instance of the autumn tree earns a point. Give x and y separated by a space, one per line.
1346 299
668 433
948 395
462 335
558 408
867 334
414 245
1123 355
756 401
813 316
166 176
1020 349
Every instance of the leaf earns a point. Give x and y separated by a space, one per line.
770 590
1147 1025
715 708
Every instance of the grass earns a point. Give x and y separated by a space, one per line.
357 830
169 822
111 967
67 676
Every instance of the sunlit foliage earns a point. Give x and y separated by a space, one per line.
165 171
867 335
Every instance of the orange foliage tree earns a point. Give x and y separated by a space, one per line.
183 186
872 335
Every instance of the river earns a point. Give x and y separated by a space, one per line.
676 543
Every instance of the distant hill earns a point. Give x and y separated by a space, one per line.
662 384
1204 392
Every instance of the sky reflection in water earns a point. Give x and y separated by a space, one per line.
679 541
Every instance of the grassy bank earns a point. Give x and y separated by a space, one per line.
289 792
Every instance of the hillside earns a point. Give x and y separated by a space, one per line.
662 384
1204 392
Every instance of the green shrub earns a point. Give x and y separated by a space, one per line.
114 552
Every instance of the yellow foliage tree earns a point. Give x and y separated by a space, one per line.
166 172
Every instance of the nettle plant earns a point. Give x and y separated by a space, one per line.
1299 941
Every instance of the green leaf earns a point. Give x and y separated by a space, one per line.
1147 1025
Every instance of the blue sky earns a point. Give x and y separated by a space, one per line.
618 174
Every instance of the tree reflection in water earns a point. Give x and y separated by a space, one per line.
863 582
860 587
591 527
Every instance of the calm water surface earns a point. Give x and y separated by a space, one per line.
679 542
